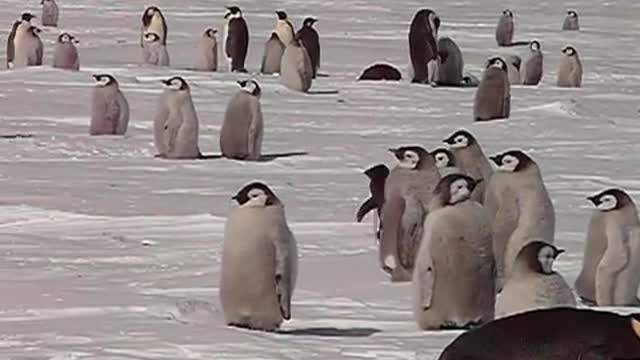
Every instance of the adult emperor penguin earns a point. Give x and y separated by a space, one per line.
273 51
450 63
207 58
153 51
533 65
377 178
570 68
534 284
65 55
423 47
513 68
471 160
445 162
28 46
109 107
153 21
519 189
296 71
50 13
493 96
236 39
407 192
311 41
453 281
551 334
284 28
612 254
25 21
571 21
175 125
242 130
259 261
504 29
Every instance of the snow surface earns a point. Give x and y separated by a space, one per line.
109 253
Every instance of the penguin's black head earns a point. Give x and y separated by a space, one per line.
308 22
66 38
250 86
535 45
103 80
512 161
611 199
507 12
281 15
27 16
151 37
443 158
233 12
256 194
569 50
455 188
151 10
411 157
460 139
211 32
176 83
497 62
429 18
380 171
539 257
572 13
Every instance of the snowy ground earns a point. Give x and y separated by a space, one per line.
109 253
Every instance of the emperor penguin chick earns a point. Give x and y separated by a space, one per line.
109 107
407 193
50 13
273 51
153 51
423 46
175 126
471 160
296 70
534 284
153 21
453 281
450 63
24 21
513 69
28 46
311 41
571 21
259 261
207 58
242 130
493 96
504 29
533 66
617 275
284 28
377 178
65 55
570 69
445 162
521 190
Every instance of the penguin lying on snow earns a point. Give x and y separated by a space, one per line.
381 72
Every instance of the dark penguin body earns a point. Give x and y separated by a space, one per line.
551 334
378 177
381 72
493 97
450 63
423 48
311 41
236 41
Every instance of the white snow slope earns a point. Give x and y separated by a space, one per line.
109 253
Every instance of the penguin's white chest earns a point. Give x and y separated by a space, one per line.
156 25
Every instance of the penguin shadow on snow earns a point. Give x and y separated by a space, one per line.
263 157
16 136
331 332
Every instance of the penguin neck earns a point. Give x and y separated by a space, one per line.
628 215
470 156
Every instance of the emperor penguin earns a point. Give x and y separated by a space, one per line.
236 39
423 46
284 28
259 261
377 178
570 68
380 72
520 194
273 51
50 13
407 193
551 334
617 244
533 65
493 96
571 21
311 41
504 29
154 52
450 63
534 284
24 21
28 46
296 70
513 69
109 107
207 58
445 162
453 281
471 160
243 129
175 125
65 55
153 21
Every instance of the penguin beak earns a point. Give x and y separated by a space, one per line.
448 141
95 76
166 82
559 252
495 159
594 200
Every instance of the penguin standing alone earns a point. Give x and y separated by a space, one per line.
25 20
311 41
570 68
471 160
109 107
423 46
50 13
153 21
242 130
571 21
259 261
273 51
284 28
296 71
236 39
65 55
207 58
533 65
493 96
28 46
504 29
454 284
377 178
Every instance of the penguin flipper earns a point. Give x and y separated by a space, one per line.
425 272
285 269
615 259
412 230
367 206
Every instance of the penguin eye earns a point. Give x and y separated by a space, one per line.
440 157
